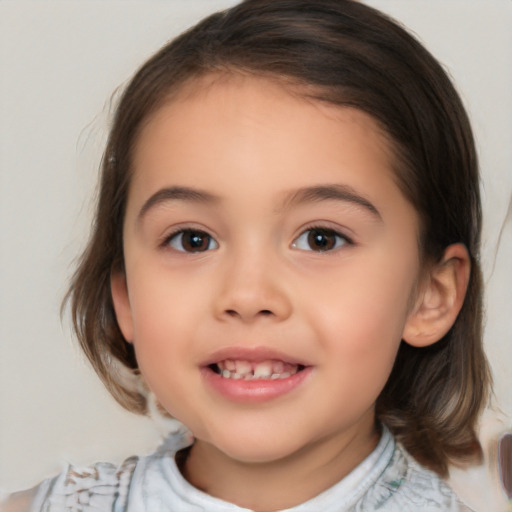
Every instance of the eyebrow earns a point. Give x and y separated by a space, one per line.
312 194
165 195
330 192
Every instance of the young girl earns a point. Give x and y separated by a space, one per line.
285 259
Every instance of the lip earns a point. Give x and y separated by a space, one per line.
252 354
253 391
256 390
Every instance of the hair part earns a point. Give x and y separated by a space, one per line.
348 54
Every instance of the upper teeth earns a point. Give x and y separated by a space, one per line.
247 370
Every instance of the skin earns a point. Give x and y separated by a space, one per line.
249 146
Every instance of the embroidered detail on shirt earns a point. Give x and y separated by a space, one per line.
99 488
395 484
408 487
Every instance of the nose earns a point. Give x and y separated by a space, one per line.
251 288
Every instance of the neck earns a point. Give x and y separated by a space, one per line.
286 482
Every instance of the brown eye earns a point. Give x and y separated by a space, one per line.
319 240
190 240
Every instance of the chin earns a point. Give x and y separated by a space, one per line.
255 449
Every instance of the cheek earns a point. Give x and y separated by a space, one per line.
159 322
160 329
360 319
162 302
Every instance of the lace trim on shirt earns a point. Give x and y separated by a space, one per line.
99 488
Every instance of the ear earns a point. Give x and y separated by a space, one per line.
121 301
440 298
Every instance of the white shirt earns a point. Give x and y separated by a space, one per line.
388 480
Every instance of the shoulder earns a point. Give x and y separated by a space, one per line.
100 487
103 486
407 486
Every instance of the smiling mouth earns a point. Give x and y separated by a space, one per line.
248 370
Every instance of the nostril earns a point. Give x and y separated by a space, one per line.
235 314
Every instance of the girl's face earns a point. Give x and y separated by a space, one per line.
271 267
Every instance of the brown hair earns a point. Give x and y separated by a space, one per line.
348 54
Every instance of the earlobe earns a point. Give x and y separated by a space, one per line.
440 298
121 303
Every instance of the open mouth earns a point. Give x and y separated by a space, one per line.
249 370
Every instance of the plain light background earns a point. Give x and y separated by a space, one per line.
60 61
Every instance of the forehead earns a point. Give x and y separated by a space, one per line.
254 119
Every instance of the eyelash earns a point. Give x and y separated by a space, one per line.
339 239
198 236
198 233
